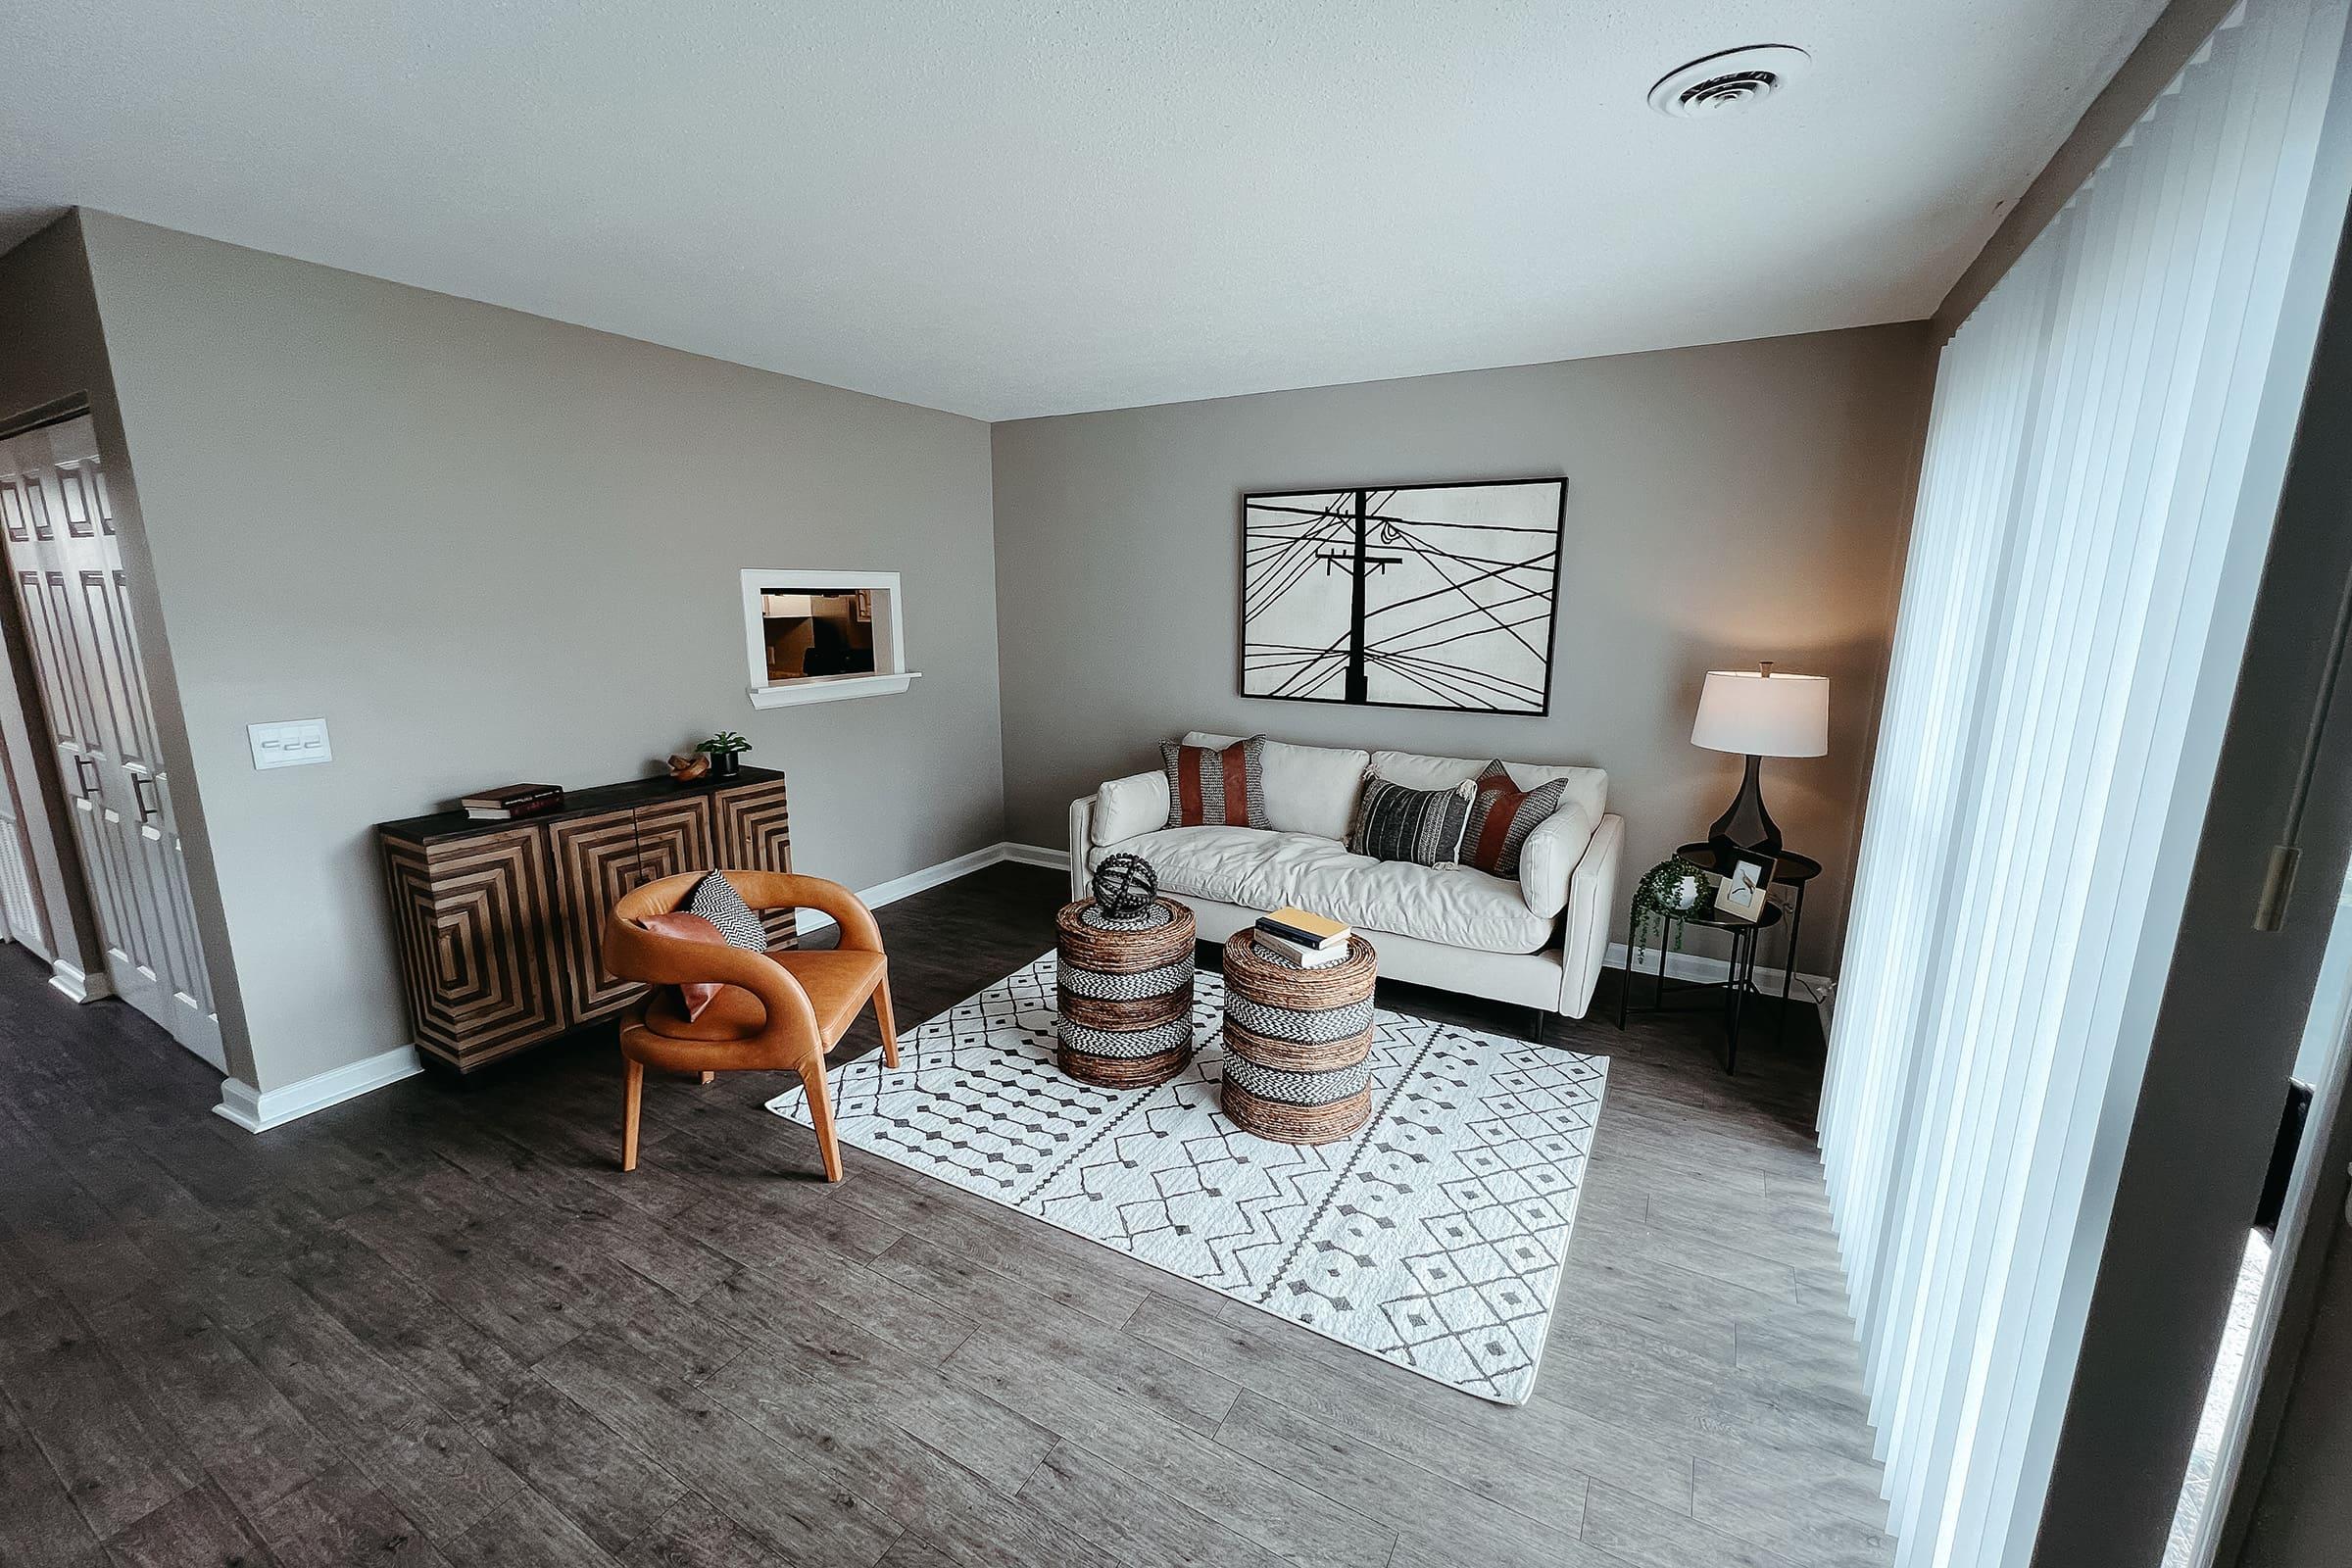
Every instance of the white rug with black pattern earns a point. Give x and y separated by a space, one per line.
1433 1239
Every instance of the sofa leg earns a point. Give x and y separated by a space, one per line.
1535 1032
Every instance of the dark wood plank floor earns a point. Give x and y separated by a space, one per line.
436 1326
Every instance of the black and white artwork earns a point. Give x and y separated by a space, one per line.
1409 596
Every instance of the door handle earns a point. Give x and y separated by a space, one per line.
139 782
83 770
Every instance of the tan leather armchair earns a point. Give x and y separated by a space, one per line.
787 1010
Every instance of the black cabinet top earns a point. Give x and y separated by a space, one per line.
442 826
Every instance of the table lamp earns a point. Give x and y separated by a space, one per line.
1758 715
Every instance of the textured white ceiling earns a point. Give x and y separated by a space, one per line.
1030 208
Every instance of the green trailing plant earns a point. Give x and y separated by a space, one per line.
726 743
1667 892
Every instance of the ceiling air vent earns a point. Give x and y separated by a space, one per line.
1730 80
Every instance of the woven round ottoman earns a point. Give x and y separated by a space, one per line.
1296 1041
1126 993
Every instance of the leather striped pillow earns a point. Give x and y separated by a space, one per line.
1422 826
1213 787
1502 815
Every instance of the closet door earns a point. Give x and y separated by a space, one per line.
20 906
74 592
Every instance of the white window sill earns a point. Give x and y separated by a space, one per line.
830 689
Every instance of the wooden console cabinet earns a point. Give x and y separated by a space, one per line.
500 924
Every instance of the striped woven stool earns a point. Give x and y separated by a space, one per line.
1296 1042
1126 993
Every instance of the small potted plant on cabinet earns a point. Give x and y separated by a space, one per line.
725 751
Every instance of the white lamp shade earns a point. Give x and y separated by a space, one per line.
1763 715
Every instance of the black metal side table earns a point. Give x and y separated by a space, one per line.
1736 986
1789 874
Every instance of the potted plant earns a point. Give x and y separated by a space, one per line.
1667 892
724 748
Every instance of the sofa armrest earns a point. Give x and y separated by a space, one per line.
1081 840
1592 904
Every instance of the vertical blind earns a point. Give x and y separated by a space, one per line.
2087 459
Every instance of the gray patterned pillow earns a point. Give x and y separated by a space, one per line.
1422 826
716 900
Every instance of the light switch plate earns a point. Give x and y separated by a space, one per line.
289 743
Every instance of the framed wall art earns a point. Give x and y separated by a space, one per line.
1403 595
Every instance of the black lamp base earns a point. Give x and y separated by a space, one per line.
1745 824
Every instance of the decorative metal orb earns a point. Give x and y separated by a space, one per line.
1125 884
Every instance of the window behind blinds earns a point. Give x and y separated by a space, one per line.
2092 461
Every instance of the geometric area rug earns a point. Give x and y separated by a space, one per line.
1434 1238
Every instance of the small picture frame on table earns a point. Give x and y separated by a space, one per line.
1743 889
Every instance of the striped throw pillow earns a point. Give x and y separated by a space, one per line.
1502 815
716 900
1422 826
1209 787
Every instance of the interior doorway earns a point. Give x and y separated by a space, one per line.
2281 1227
65 569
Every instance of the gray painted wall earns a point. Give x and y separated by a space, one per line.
1726 504
486 547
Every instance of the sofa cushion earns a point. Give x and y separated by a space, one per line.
1225 863
1309 788
1460 907
1126 806
1215 786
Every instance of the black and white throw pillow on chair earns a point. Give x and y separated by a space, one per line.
716 900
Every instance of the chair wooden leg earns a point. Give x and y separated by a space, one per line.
820 1115
632 1095
710 1077
886 1023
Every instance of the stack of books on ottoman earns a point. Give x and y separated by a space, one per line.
1309 941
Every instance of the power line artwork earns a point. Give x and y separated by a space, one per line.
1413 595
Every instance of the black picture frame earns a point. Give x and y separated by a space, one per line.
1504 672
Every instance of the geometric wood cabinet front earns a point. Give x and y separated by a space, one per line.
474 918
754 827
596 863
600 858
501 926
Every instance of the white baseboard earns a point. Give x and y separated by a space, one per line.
913 882
1813 988
77 982
259 1111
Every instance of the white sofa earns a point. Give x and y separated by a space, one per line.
1537 940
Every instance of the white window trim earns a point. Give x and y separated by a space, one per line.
891 673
